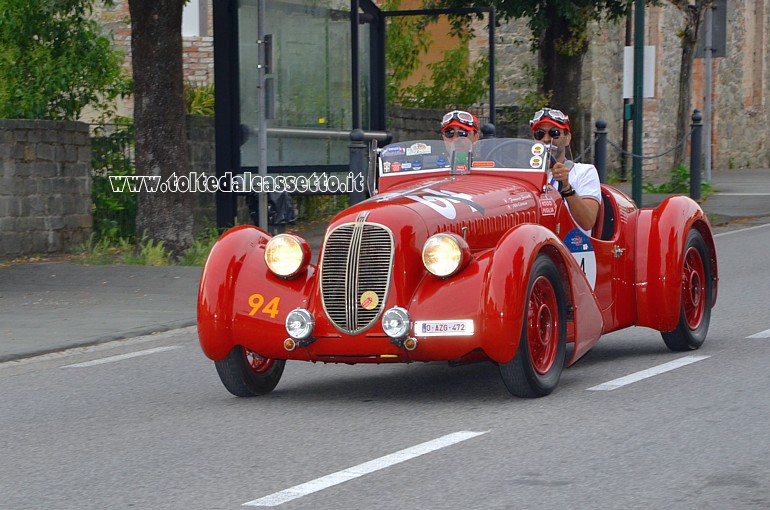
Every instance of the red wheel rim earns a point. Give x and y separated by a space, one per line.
257 363
542 325
693 282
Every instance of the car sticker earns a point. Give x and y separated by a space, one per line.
369 300
441 162
386 167
418 148
547 207
538 149
582 250
393 150
406 166
396 167
445 202
416 164
536 162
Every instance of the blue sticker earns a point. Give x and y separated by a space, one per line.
393 150
416 164
441 162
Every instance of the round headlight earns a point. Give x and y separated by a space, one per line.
299 324
445 254
287 255
396 323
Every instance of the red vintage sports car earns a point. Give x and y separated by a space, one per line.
458 258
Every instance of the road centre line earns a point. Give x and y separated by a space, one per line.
644 374
121 357
351 473
745 194
761 334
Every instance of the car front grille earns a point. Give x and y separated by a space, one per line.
357 261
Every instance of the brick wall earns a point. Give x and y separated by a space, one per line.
45 187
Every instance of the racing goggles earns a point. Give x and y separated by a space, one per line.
553 133
548 114
461 117
450 132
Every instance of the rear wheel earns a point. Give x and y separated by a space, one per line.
695 307
537 367
247 374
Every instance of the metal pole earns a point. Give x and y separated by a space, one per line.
354 65
695 151
261 119
707 85
600 149
492 104
636 189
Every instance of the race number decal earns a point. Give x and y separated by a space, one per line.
581 248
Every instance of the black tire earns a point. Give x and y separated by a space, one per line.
697 297
246 374
536 374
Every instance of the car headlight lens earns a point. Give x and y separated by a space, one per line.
445 254
299 324
396 322
287 255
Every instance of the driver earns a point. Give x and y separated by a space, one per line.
578 183
459 124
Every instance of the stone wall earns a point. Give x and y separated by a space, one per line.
45 187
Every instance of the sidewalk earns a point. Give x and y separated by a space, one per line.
50 306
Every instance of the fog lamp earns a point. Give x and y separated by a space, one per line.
287 255
299 324
396 322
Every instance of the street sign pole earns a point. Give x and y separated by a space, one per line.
636 168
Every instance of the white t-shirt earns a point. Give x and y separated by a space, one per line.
585 179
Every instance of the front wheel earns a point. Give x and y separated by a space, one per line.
695 308
537 367
247 374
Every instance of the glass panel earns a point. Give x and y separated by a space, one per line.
311 81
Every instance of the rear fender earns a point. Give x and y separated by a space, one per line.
661 237
238 295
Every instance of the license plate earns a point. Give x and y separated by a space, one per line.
443 328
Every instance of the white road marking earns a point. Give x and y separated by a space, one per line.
644 374
345 475
745 194
761 334
741 230
120 357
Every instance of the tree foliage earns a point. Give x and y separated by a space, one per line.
453 81
54 61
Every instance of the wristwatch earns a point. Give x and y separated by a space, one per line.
568 193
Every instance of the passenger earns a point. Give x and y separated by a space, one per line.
578 183
459 124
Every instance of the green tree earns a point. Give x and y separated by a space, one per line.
454 81
559 35
54 61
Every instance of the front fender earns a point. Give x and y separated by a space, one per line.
661 236
238 296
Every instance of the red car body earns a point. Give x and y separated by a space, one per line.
637 268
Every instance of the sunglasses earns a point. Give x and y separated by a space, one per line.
461 116
449 133
540 133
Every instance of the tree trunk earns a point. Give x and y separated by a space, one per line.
692 17
159 119
562 72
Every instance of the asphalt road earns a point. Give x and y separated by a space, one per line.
94 428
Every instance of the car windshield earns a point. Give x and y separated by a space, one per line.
431 155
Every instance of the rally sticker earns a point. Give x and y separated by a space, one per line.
396 167
386 167
538 149
547 207
393 150
418 148
369 300
535 162
582 250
